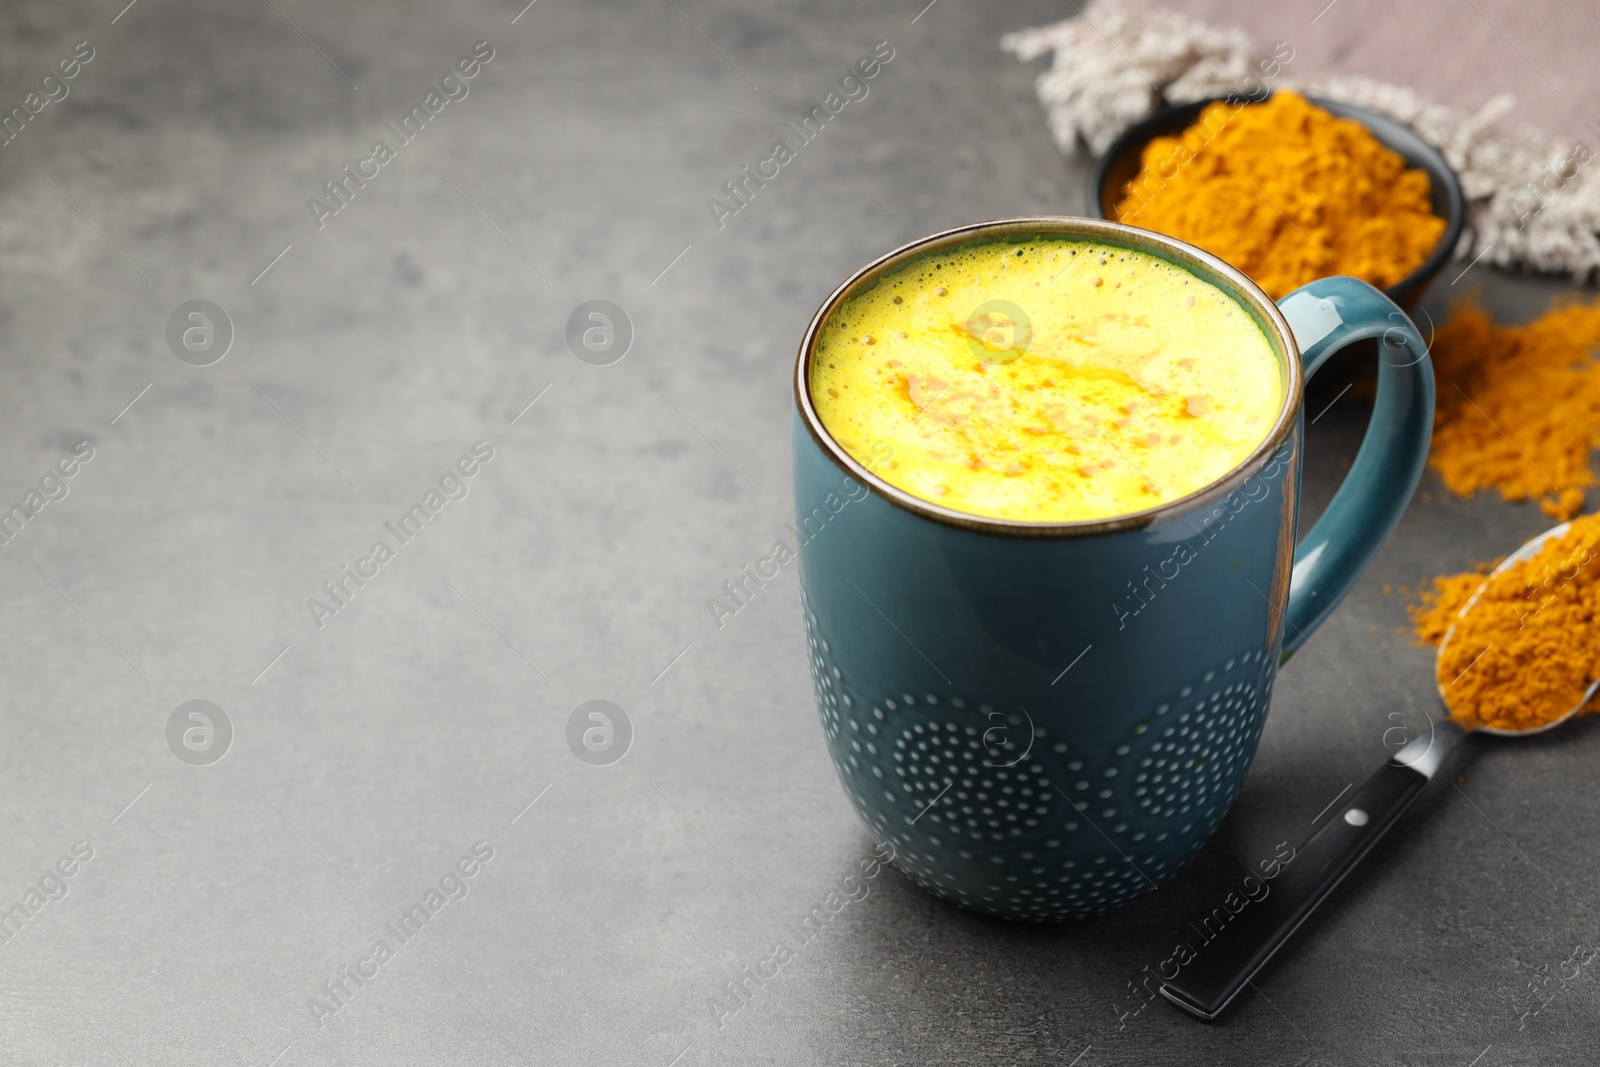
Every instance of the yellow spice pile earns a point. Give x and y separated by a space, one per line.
1519 406
1529 646
1287 192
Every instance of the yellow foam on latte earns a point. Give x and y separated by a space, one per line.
1046 380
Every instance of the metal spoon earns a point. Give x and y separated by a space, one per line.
1225 964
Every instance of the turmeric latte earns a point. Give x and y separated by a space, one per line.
1046 380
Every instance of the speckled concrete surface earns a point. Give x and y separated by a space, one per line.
372 755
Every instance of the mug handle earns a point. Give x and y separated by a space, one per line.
1325 316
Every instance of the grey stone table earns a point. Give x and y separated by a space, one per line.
405 746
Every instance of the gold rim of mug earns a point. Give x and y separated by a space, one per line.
1204 264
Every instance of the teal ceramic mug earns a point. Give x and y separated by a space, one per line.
1044 721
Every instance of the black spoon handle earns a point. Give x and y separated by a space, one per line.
1221 968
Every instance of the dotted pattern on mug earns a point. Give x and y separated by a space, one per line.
1008 819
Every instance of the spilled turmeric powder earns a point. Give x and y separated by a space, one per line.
1288 193
1519 406
1528 648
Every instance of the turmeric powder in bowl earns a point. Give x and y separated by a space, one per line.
1287 192
1529 648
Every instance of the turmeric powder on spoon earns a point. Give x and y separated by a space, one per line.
1530 646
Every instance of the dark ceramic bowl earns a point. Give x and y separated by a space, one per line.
1119 163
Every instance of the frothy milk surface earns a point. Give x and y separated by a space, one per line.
1045 380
